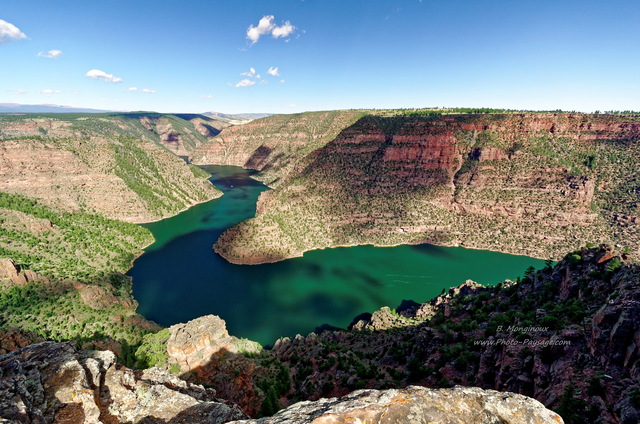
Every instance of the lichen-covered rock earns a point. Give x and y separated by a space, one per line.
53 382
415 404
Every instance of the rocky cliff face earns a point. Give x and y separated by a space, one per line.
533 184
54 382
109 164
274 145
192 346
182 134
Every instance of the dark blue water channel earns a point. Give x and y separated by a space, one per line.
180 277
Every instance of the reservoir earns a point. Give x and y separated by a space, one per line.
180 277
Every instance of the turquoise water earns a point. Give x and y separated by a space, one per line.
180 277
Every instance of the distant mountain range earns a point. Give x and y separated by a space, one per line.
48 108
18 108
237 116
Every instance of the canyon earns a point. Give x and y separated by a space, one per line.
73 348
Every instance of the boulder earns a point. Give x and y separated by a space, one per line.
415 404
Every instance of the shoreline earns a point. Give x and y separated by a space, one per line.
374 245
183 209
143 248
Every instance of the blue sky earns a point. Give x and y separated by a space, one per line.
197 55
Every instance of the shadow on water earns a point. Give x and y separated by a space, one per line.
430 249
180 277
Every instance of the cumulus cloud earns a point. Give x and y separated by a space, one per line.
51 54
283 31
266 26
10 32
273 72
245 83
251 73
148 90
132 89
101 75
49 92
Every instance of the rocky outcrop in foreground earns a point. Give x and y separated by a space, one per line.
193 345
202 351
205 353
53 382
460 405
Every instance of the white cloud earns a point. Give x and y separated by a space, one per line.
281 81
251 73
20 91
283 31
51 54
245 83
101 75
10 32
273 72
148 90
266 26
132 89
49 92
206 96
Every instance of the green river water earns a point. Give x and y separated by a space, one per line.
179 277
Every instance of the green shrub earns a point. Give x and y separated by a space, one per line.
153 350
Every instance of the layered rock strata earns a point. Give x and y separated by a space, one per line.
275 145
113 164
531 184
